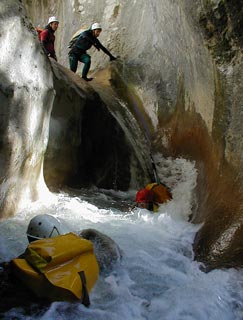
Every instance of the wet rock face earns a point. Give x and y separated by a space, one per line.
157 42
26 94
87 146
222 22
217 243
107 252
88 149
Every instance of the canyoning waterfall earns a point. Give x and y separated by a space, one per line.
157 277
80 150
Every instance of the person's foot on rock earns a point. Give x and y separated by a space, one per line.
87 79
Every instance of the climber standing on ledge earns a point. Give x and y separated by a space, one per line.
47 37
85 41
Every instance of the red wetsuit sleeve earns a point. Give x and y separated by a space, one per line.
44 35
47 40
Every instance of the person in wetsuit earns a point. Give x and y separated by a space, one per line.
15 293
85 41
47 37
152 195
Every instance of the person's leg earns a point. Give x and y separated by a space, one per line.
86 59
73 62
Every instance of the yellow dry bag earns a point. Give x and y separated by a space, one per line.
59 268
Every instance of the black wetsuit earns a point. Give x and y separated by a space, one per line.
78 53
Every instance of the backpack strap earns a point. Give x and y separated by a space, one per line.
85 294
155 185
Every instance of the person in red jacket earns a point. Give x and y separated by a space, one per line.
152 195
47 37
145 199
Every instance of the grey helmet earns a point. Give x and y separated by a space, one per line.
45 226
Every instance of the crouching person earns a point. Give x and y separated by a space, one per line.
152 196
57 265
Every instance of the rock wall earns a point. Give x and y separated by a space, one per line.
89 139
26 95
55 129
182 64
157 44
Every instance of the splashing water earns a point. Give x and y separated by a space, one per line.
158 278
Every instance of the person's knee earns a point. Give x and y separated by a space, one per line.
86 59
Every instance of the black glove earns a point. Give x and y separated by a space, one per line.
112 58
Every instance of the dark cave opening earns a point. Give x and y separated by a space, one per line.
104 154
86 147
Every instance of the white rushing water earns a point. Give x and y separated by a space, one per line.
157 278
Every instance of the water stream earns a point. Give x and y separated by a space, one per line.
157 278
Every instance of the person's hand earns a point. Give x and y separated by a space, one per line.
52 56
112 58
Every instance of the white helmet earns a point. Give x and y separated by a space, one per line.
52 19
44 226
96 26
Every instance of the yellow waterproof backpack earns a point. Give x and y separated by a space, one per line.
161 192
59 268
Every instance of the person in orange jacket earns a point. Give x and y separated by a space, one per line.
152 195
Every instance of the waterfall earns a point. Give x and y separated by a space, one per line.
158 277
